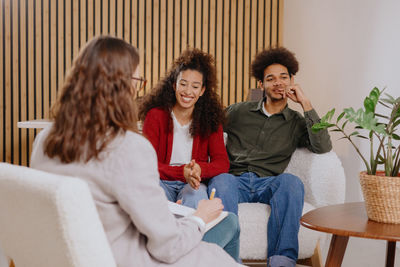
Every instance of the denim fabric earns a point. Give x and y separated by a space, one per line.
226 235
175 190
285 195
281 261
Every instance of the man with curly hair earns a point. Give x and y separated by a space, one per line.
262 137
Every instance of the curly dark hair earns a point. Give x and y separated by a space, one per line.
96 102
277 55
208 112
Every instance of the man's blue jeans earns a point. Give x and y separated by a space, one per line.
175 190
285 195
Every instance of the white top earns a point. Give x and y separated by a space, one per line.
133 207
265 111
182 144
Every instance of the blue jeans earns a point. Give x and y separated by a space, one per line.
285 195
226 235
175 190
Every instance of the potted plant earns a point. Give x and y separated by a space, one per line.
381 188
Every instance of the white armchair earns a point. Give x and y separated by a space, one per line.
324 184
47 220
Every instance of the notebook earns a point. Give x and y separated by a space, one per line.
182 211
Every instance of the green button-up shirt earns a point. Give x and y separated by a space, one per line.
264 144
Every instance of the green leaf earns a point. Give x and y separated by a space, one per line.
340 117
369 105
335 130
396 123
374 95
317 127
395 136
352 115
363 137
380 129
375 91
328 116
354 133
397 112
344 124
358 127
364 119
321 126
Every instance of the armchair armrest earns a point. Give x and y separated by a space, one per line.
322 174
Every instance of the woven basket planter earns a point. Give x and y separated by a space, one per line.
382 197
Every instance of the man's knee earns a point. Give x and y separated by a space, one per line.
291 182
223 179
222 182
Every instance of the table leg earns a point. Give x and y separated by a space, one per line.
390 253
336 251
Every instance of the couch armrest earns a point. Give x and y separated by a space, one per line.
322 175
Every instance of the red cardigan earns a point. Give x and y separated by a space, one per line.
209 153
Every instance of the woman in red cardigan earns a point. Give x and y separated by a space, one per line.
183 120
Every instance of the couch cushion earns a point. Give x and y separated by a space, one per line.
253 219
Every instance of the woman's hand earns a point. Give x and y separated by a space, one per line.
192 174
209 210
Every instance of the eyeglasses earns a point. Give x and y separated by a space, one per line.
142 82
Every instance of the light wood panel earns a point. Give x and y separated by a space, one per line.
15 75
40 38
31 69
7 104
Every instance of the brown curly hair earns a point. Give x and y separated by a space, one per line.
277 55
208 112
96 102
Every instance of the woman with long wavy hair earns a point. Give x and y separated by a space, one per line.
94 137
183 120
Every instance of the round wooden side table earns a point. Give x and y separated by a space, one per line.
350 219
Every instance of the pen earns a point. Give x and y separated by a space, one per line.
212 194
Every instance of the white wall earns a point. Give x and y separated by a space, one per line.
345 48
3 260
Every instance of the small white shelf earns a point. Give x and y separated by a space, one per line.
34 124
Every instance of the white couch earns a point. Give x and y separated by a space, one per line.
324 184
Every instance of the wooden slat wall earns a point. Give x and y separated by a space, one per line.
40 38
